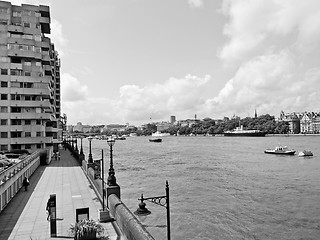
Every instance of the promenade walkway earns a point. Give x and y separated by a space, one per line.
25 216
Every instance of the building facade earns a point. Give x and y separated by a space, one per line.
29 79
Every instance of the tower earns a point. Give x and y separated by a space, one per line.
30 79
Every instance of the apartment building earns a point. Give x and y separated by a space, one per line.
29 79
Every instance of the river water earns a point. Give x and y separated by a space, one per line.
221 187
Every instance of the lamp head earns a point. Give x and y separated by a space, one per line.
111 142
90 138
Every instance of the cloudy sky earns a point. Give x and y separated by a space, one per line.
126 61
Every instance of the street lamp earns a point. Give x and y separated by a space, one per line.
77 144
143 211
81 149
111 178
90 160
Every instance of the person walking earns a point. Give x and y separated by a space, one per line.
25 183
58 155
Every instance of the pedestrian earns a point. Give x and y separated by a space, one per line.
55 156
58 154
25 183
48 210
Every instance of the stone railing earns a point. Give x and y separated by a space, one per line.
11 178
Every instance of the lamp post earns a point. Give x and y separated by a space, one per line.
111 178
81 149
72 141
90 160
142 210
77 150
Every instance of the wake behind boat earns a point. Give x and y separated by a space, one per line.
280 150
240 132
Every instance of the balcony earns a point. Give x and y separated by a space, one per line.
32 91
32 115
16 65
14 28
31 140
23 103
45 24
23 53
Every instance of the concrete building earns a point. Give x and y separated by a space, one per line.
30 114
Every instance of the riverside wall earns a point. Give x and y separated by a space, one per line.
11 179
129 225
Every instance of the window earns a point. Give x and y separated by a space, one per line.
27 122
3 147
3 121
39 145
27 98
27 36
4 135
27 134
27 12
27 62
38 134
16 134
15 121
16 14
16 72
27 85
27 73
27 146
26 25
38 122
3 109
4 84
3 22
37 49
14 35
4 71
16 109
4 97
3 10
37 38
38 63
15 97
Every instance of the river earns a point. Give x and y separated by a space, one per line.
221 187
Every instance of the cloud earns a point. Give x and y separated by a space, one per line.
253 23
57 36
136 104
195 3
272 45
72 89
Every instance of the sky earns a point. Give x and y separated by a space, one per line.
141 61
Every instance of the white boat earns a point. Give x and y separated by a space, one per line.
305 153
160 134
280 150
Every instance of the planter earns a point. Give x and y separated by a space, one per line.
92 235
86 229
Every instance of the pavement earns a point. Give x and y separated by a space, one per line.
25 216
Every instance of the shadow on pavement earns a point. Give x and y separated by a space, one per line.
10 215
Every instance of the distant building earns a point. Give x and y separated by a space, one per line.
163 126
172 119
293 120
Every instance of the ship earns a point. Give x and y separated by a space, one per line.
240 132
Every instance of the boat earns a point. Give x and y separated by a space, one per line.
160 134
280 150
305 153
240 132
155 140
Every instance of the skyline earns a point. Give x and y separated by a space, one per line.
132 60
